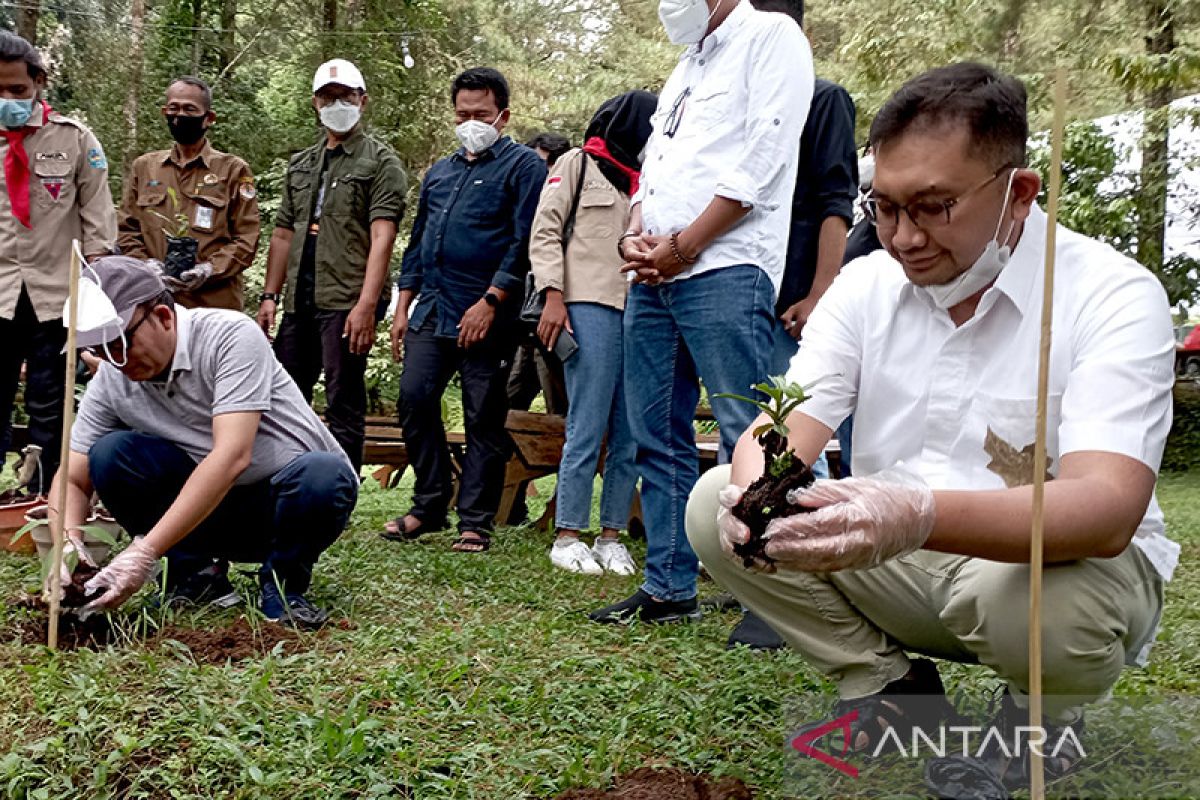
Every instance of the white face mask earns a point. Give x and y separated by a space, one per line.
476 136
340 116
985 269
96 312
686 21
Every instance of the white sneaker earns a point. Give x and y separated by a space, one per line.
612 556
574 556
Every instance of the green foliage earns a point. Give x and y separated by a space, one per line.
1183 443
782 396
1100 199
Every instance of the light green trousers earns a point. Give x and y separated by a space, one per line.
856 626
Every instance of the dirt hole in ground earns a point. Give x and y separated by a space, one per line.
236 641
648 783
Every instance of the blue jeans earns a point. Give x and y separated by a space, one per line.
595 408
285 521
714 327
783 347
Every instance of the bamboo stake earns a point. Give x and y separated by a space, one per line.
1037 776
59 519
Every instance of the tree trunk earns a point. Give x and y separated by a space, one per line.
1006 42
228 45
1156 139
28 14
329 23
197 34
137 15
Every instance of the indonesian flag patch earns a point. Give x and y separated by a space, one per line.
554 181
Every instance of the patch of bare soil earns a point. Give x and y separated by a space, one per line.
235 642
647 783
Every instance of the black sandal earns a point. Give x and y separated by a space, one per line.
1060 757
478 543
402 534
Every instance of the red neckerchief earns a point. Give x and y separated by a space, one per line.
16 167
597 147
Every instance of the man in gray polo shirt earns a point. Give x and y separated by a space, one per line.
199 444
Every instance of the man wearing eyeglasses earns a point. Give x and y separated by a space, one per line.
202 447
705 251
933 344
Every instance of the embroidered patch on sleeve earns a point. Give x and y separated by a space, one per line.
554 181
96 159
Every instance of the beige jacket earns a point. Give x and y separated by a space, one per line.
68 199
591 272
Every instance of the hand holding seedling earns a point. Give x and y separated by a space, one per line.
127 573
189 280
735 535
74 554
857 523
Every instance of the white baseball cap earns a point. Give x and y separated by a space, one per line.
340 71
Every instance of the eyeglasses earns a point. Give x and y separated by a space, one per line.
675 116
925 214
115 350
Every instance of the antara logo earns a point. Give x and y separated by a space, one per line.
991 740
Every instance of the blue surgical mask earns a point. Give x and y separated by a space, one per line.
15 113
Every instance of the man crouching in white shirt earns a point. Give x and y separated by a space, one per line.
933 344
705 249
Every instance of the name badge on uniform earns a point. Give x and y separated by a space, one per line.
203 219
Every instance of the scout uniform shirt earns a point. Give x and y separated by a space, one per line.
68 199
331 196
216 193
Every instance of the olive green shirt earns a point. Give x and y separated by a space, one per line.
364 182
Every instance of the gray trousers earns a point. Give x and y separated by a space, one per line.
856 626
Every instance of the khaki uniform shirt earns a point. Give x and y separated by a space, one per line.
68 199
364 182
590 272
217 195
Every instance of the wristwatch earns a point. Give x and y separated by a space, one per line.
274 297
491 299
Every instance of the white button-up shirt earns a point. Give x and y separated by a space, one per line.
728 124
958 405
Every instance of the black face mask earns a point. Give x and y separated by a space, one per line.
186 130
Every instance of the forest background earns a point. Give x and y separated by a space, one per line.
110 61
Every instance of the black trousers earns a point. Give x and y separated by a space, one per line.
429 363
39 346
285 521
310 341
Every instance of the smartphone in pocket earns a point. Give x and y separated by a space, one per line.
566 346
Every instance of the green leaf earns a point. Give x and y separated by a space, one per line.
101 533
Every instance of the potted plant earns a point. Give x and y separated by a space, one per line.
767 497
182 249
17 502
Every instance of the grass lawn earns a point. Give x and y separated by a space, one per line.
457 676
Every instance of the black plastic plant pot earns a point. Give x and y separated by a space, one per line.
181 255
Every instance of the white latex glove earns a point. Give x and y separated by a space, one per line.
73 552
191 279
733 530
858 523
124 575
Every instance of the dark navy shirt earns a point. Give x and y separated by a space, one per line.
472 232
826 185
